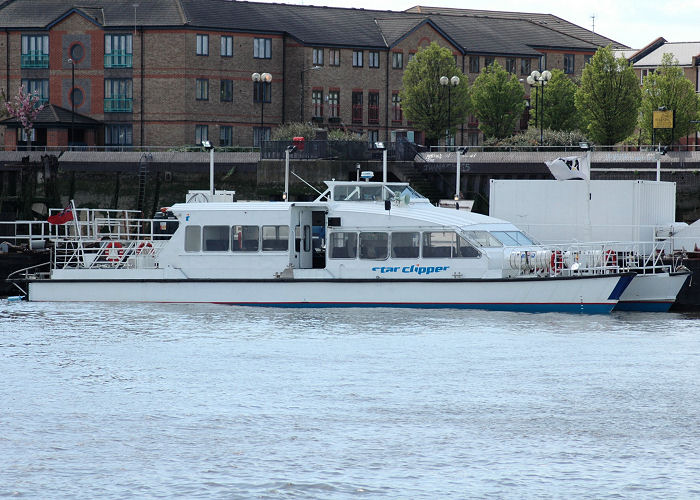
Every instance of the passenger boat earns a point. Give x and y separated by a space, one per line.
358 244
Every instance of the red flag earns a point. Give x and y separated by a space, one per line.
61 217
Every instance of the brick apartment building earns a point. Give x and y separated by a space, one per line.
176 72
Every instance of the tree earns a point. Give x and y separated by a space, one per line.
560 104
668 87
25 107
498 99
425 102
608 98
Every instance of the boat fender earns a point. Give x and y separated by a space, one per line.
114 251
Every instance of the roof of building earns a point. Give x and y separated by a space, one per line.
685 52
549 20
485 32
56 116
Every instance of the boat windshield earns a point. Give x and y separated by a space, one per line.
512 238
365 191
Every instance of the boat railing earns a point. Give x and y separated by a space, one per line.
105 241
614 257
29 234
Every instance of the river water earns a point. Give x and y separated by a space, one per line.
205 401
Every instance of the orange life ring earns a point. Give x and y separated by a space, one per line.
610 258
144 246
114 251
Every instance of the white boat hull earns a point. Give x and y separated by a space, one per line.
597 294
652 292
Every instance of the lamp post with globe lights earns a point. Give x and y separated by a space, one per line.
260 79
537 79
449 83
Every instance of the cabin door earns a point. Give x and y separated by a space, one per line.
309 238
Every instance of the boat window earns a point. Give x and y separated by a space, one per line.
275 238
346 193
374 245
405 245
371 193
245 238
193 238
465 249
215 238
512 238
343 245
483 239
440 244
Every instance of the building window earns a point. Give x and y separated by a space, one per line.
357 107
202 91
510 65
226 46
260 134
262 92
202 45
373 136
473 64
318 57
334 104
587 58
119 135
226 90
226 135
488 61
569 60
35 51
262 48
118 95
38 87
334 57
397 114
397 60
524 66
201 133
411 55
317 103
357 58
373 59
373 107
118 51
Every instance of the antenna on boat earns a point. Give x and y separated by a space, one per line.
207 146
287 151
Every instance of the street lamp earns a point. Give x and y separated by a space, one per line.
72 101
287 151
537 79
208 147
449 83
382 147
260 80
301 99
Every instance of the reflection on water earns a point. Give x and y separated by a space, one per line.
123 400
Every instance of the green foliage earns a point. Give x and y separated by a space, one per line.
608 98
559 103
425 102
668 86
498 99
531 138
290 130
343 135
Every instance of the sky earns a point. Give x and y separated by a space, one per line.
633 23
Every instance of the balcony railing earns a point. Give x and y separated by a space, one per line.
118 105
35 59
118 59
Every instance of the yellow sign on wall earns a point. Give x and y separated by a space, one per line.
663 119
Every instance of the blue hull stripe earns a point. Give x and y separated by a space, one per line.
621 286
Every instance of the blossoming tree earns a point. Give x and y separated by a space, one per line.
25 107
